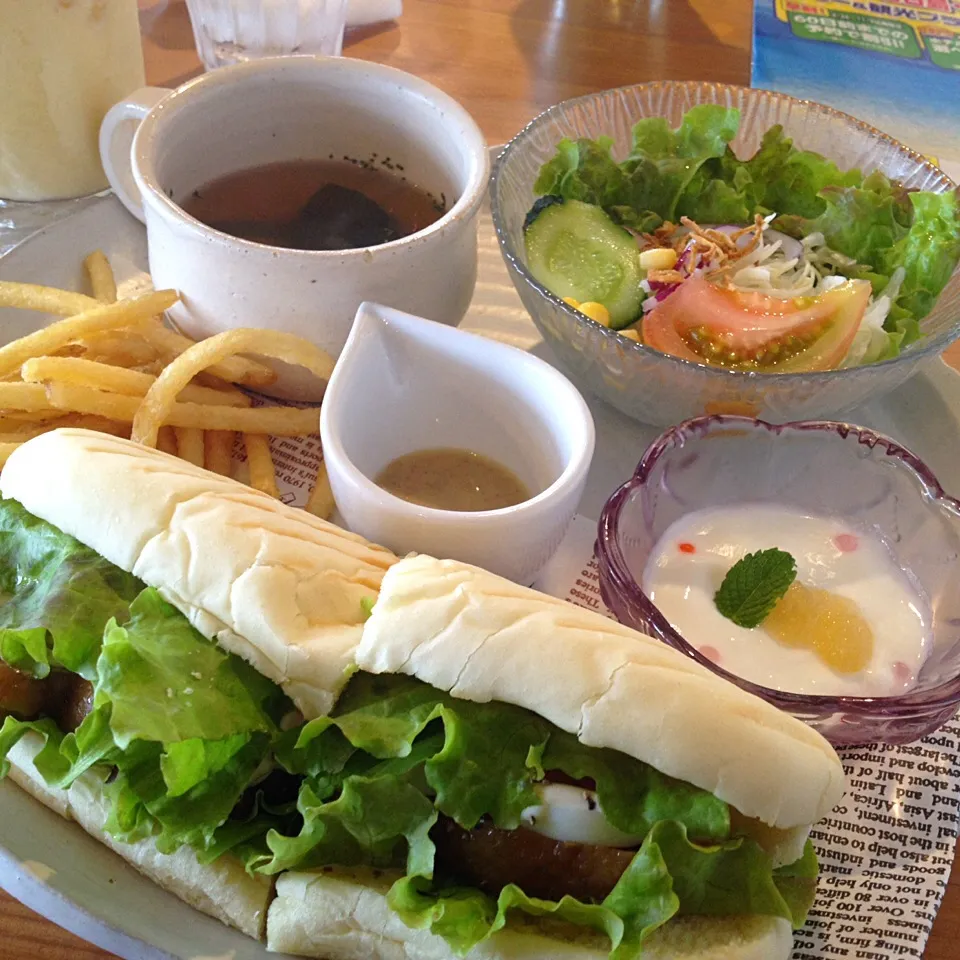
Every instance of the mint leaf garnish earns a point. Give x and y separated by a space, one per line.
753 585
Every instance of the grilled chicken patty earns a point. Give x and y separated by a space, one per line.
490 858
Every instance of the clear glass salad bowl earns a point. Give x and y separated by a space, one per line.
659 389
829 469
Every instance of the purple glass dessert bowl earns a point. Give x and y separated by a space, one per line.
863 479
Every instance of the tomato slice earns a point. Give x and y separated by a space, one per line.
705 323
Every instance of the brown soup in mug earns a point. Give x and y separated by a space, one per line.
314 205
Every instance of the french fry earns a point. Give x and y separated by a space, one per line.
103 284
189 444
8 417
30 397
27 431
206 379
31 296
108 316
260 463
320 502
276 421
154 368
271 343
70 350
167 441
26 435
112 366
234 369
85 421
119 349
5 450
102 376
218 451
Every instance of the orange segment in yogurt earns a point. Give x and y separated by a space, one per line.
826 623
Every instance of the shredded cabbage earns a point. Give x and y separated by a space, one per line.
780 266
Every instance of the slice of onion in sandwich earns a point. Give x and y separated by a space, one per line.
573 814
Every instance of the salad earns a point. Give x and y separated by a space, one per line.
778 263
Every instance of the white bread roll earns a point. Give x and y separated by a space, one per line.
343 915
271 583
483 638
222 889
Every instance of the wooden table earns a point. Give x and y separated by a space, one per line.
505 60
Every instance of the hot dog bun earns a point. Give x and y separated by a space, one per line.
284 590
223 889
271 583
344 915
482 638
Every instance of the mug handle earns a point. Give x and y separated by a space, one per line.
116 143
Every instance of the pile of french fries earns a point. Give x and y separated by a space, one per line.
112 365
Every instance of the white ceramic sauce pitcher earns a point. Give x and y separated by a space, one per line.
405 384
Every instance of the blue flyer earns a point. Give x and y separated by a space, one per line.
895 65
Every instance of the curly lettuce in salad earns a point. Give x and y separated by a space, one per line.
781 262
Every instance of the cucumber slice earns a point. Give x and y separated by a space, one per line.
575 250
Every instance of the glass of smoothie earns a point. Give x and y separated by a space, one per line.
63 64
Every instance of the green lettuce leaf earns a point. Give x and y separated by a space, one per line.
183 725
584 170
57 594
883 228
368 823
860 223
645 189
63 757
14 730
704 132
789 181
482 761
735 877
668 876
667 165
141 803
193 816
634 796
797 884
721 192
244 835
166 683
397 752
465 917
490 756
928 251
192 724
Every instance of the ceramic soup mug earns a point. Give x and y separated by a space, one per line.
160 145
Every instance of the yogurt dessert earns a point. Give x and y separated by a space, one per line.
851 623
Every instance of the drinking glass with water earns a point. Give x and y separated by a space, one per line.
230 31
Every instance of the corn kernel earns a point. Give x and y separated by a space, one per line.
596 311
660 258
630 334
570 302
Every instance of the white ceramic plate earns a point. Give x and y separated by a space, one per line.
58 870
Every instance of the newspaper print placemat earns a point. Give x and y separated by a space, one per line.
885 852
